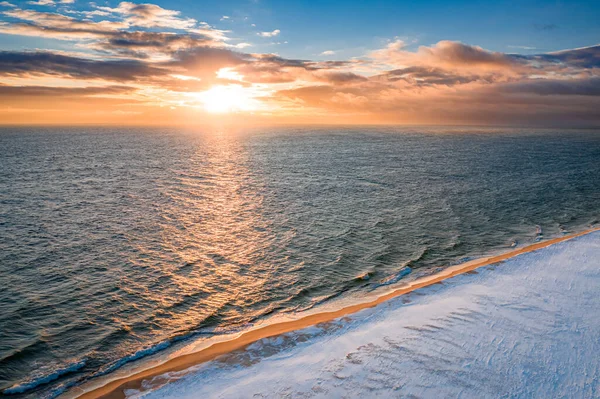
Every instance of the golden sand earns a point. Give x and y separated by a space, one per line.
114 389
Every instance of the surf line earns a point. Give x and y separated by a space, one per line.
115 389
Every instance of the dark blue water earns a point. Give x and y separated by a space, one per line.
114 243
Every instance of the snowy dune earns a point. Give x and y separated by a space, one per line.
527 328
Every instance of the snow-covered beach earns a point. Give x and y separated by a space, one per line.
527 327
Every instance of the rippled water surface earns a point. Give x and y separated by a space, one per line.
116 242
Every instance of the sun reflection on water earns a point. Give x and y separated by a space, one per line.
215 242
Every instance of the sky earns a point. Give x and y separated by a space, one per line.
339 62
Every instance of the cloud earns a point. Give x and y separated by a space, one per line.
273 69
554 87
142 44
46 24
89 14
339 78
46 63
50 2
150 16
447 54
115 36
458 83
64 23
49 91
156 58
522 47
462 63
274 33
41 3
65 27
421 76
241 45
205 62
585 57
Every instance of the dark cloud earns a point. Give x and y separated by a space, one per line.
422 76
142 44
333 64
272 60
585 57
341 77
47 91
47 63
549 87
271 68
199 62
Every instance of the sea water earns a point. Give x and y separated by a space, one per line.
118 243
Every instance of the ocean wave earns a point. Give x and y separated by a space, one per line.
134 356
364 276
35 382
400 349
405 271
151 350
539 234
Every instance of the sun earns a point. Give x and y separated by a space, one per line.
227 99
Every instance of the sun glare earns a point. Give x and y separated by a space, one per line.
225 99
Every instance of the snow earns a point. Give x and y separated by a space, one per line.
525 328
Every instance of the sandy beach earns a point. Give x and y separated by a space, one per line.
117 388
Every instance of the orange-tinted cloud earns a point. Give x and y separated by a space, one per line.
447 54
142 62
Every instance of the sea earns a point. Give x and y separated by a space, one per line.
118 244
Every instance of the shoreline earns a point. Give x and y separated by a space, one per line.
115 389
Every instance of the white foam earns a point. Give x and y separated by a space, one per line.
134 356
405 271
528 327
43 378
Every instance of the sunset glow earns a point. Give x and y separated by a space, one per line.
120 63
227 99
